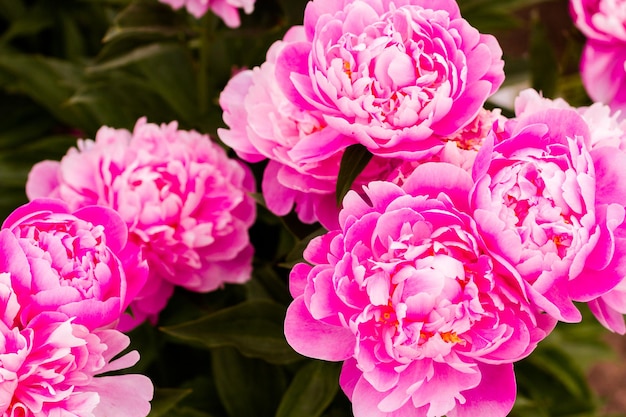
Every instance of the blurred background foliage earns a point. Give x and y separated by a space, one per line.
69 67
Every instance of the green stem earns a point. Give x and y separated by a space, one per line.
207 32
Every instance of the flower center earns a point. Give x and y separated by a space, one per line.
396 60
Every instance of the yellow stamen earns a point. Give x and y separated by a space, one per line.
451 337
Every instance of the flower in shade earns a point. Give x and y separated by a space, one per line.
428 324
395 76
277 130
227 10
186 204
548 200
603 22
80 262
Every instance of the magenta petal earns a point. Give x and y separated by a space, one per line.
465 108
588 286
13 260
610 166
438 177
279 199
293 59
349 377
332 343
115 228
608 317
493 397
33 209
365 400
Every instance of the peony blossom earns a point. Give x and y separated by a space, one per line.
395 76
277 130
607 136
51 367
50 364
605 126
79 263
185 202
224 9
603 22
428 324
547 199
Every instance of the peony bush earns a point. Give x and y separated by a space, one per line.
364 208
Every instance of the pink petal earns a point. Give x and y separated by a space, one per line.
314 338
123 395
493 397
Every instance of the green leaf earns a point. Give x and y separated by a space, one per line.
295 255
49 82
28 24
132 57
165 399
266 283
254 327
543 63
144 19
354 160
189 412
552 381
311 391
247 387
12 9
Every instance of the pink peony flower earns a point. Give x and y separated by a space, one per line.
552 206
405 295
224 9
277 130
605 127
50 367
184 201
395 76
79 263
603 22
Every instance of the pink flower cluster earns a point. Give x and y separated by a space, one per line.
440 277
227 10
186 205
603 22
463 241
65 279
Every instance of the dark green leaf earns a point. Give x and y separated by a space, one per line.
144 18
543 63
354 160
254 327
247 387
12 9
266 283
165 399
552 381
189 412
311 391
295 255
49 82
